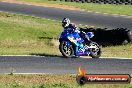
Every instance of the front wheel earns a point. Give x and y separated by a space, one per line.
95 50
67 51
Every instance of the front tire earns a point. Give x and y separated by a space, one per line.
66 51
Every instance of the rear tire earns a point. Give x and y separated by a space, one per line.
69 52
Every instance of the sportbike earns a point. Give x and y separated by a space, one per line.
74 45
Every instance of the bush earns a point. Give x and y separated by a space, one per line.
110 37
126 2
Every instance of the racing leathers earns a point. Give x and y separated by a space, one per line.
72 27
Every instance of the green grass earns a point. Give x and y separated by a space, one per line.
103 8
118 51
26 35
49 81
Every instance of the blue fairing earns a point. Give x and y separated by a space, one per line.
73 38
90 34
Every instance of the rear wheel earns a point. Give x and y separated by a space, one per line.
67 51
95 50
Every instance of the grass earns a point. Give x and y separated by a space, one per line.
118 51
103 8
26 35
49 81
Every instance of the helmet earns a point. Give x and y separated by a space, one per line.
65 22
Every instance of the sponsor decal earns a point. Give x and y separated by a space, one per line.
71 38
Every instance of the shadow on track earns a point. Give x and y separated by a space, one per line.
49 55
46 55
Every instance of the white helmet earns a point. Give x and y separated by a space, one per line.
65 22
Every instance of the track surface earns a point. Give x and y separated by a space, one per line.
79 17
33 64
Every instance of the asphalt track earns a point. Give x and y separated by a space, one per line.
59 65
79 17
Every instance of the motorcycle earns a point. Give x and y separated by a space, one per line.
75 45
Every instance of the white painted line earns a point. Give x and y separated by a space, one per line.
126 16
16 55
123 15
81 56
48 19
115 14
83 9
117 57
108 57
98 12
33 16
47 74
89 11
21 56
105 13
37 73
28 73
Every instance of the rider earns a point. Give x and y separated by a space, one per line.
67 25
